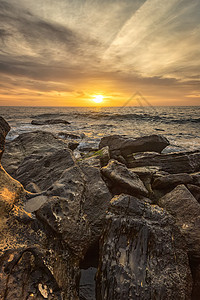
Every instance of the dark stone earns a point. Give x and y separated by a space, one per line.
97 198
184 207
72 145
180 162
38 144
171 180
195 191
37 157
123 179
142 254
4 129
49 122
124 146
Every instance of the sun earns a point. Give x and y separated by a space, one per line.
98 98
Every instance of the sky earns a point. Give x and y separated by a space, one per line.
64 52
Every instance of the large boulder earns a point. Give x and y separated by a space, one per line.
37 157
180 162
184 207
123 179
63 212
123 146
97 198
4 129
142 254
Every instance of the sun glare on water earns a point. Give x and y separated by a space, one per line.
98 98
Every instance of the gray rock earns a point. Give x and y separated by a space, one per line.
180 162
37 157
123 178
124 146
142 254
184 207
38 143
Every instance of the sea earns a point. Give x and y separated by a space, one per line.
180 125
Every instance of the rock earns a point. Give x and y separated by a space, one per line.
37 157
196 178
32 188
4 129
123 179
63 210
97 198
68 135
142 254
44 170
104 156
38 143
184 207
171 180
72 145
195 191
119 145
180 162
49 122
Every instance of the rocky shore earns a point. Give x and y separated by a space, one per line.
119 223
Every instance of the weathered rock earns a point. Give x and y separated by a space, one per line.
171 180
104 156
184 207
119 145
142 254
37 157
63 210
196 178
4 129
35 262
180 162
49 122
38 143
97 198
123 179
195 191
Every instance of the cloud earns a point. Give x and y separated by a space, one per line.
68 46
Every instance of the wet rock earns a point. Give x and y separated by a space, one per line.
4 129
38 144
119 145
180 162
97 198
37 157
44 170
184 207
49 122
123 179
63 210
171 180
142 254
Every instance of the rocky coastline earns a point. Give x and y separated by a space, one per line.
119 223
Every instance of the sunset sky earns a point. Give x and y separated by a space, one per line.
63 52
